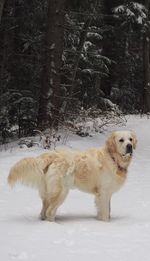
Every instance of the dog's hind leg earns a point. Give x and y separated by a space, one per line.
45 205
55 199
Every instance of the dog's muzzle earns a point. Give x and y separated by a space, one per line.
129 148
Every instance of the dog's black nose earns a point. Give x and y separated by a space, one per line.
129 148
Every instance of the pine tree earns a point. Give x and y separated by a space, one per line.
50 102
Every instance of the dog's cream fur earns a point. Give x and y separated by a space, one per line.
100 171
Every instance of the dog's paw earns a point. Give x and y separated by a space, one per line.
50 219
103 218
42 215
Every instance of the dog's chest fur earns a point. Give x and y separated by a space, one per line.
94 172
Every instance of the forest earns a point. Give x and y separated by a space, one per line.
62 59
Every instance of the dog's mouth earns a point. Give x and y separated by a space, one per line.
127 154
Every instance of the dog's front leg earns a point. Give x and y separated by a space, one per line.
102 201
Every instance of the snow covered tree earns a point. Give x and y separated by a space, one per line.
17 114
146 59
71 56
127 84
50 101
84 65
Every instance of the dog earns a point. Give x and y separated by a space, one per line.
99 171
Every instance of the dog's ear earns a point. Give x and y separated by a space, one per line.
110 143
134 139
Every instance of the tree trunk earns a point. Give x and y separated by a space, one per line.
146 66
50 102
108 45
2 2
79 51
7 36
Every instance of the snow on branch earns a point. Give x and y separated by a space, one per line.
133 11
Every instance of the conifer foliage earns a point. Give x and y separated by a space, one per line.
59 58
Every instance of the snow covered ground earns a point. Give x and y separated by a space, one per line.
77 235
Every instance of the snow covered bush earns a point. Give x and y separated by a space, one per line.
94 120
17 114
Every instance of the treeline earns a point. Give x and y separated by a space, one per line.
60 56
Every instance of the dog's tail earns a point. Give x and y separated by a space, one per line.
30 171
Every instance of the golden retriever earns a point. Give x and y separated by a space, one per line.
100 171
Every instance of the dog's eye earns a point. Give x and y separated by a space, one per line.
121 140
131 139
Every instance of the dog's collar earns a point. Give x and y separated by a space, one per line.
121 171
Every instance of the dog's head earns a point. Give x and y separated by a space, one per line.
122 143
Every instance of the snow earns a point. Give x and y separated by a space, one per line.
119 9
139 6
94 35
139 20
132 9
86 46
77 235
